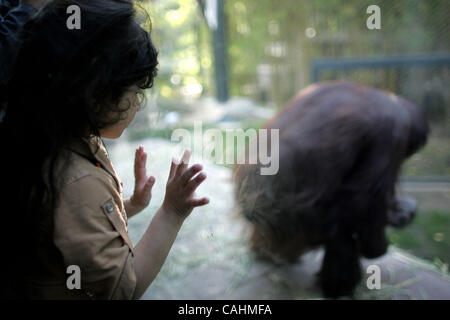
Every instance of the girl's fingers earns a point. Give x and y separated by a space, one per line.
149 184
173 168
136 160
186 157
189 173
198 202
140 171
138 157
137 164
144 159
139 152
194 183
184 162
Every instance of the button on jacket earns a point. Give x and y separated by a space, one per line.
89 231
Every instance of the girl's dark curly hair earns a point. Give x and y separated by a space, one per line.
65 84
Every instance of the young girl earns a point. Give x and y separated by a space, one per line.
63 207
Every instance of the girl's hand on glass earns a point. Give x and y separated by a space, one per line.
181 185
143 184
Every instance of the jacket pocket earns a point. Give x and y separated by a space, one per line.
114 216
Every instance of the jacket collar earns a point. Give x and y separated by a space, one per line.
94 150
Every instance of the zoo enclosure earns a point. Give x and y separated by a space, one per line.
421 79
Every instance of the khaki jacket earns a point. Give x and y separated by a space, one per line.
89 231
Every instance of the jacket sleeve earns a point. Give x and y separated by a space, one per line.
90 232
9 27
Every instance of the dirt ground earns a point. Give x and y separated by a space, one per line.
210 259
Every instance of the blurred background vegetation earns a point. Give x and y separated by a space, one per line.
241 65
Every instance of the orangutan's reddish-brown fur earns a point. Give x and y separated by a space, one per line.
341 149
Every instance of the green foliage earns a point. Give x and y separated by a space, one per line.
427 237
182 38
272 33
433 160
408 27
